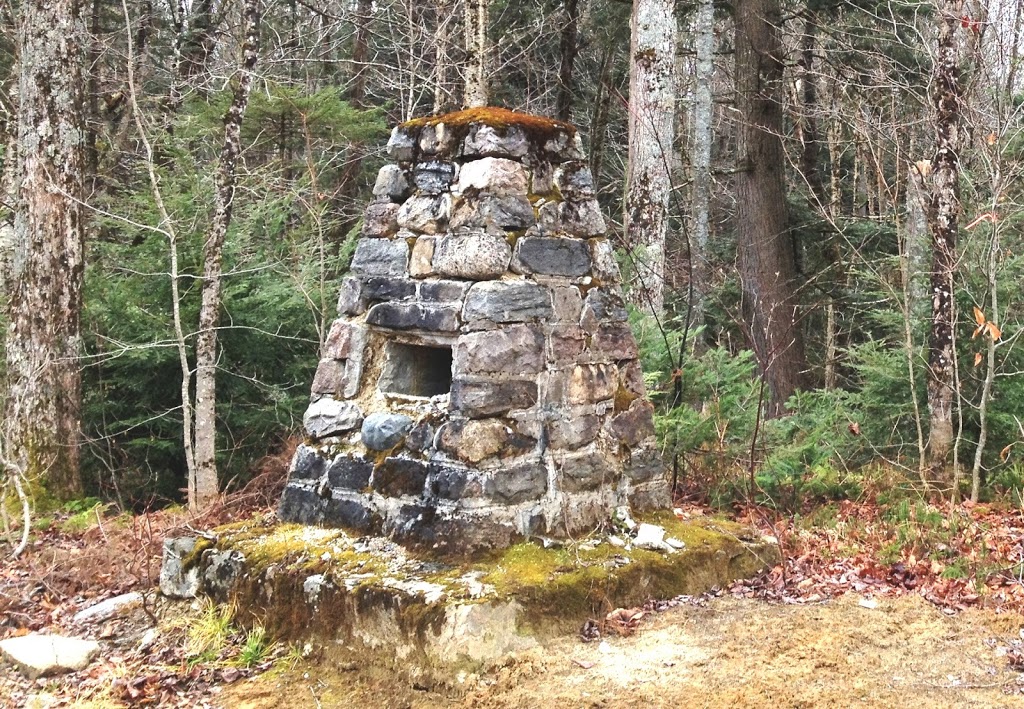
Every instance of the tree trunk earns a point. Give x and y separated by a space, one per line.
360 53
477 49
195 39
703 134
204 489
652 98
764 249
44 397
568 47
443 102
945 213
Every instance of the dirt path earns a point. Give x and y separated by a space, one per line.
730 653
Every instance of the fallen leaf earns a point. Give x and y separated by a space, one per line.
585 664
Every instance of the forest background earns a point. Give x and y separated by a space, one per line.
792 185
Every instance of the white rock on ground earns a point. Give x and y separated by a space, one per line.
44 655
651 536
109 608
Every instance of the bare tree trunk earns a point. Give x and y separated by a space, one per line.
652 98
477 49
945 213
205 489
568 46
703 134
764 249
195 39
360 53
599 121
44 396
443 100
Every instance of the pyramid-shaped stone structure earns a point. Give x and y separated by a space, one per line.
481 383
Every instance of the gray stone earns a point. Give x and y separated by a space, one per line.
495 175
437 139
565 146
588 471
631 378
548 219
511 486
510 142
542 179
426 214
443 291
567 343
603 304
301 506
434 177
313 588
388 288
177 581
307 464
421 263
330 378
415 316
383 431
420 437
493 213
573 430
614 340
329 417
402 144
449 483
645 463
476 440
350 513
605 268
221 569
339 340
354 363
507 301
652 537
380 220
381 257
653 495
581 218
391 184
552 256
38 655
574 180
479 399
474 256
590 383
349 473
350 298
109 608
634 425
397 477
518 349
567 303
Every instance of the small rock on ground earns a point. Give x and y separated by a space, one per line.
44 655
109 608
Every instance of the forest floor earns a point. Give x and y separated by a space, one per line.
874 605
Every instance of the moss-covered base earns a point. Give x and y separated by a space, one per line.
426 615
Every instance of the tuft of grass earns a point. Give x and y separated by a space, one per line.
209 633
256 648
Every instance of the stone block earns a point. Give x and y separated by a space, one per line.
221 569
518 349
495 175
567 343
420 437
520 483
443 291
339 340
437 139
350 513
380 220
391 184
300 506
552 256
434 177
176 579
614 341
565 145
381 257
634 425
474 256
590 383
402 144
480 399
645 464
451 483
396 477
330 417
507 302
631 378
307 464
350 297
426 214
330 377
492 213
581 218
476 440
542 179
567 303
548 219
602 304
354 363
572 430
574 180
37 655
383 431
587 471
348 472
376 288
605 268
421 263
483 140
415 316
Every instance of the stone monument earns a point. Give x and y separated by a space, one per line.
481 383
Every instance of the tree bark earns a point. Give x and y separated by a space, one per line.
568 47
764 250
652 98
44 396
477 49
360 53
443 102
944 217
204 489
703 134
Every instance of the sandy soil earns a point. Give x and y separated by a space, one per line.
729 653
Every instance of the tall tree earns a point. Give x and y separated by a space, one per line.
764 249
477 84
652 98
44 396
944 218
204 488
568 47
703 134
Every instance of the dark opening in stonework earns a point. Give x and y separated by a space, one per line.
415 370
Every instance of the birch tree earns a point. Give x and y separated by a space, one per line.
44 395
477 84
652 98
204 488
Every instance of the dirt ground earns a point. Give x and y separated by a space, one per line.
730 652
